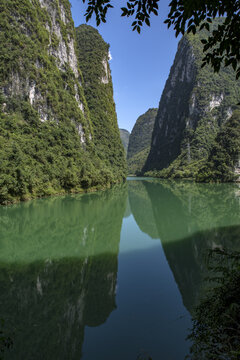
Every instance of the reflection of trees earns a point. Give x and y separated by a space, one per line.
49 300
57 227
141 207
209 205
183 208
189 218
187 259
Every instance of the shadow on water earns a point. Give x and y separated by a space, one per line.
141 208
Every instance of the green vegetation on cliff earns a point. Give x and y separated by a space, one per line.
194 105
124 135
93 54
31 61
40 159
47 138
223 161
140 140
136 162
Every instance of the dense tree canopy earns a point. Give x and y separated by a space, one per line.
222 45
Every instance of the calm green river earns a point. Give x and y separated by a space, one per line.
114 274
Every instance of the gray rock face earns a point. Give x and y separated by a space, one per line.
173 109
55 21
64 51
194 104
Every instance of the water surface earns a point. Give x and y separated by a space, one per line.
113 274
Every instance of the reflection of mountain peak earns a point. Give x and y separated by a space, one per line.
128 209
141 207
51 307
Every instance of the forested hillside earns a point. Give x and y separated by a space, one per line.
93 54
223 163
195 103
124 135
47 136
140 140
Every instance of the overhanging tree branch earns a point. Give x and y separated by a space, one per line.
222 47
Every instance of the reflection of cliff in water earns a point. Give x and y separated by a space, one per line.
188 259
191 218
48 301
141 207
183 208
128 209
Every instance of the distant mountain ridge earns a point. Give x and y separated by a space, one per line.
124 135
140 140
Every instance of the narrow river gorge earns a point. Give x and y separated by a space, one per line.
112 274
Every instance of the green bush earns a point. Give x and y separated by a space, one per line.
216 331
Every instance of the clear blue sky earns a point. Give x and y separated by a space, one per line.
140 64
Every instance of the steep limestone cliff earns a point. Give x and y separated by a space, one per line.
39 64
194 104
93 55
47 136
140 141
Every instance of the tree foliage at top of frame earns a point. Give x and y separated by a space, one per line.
222 45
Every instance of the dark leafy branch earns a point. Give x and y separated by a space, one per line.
142 10
223 44
99 8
